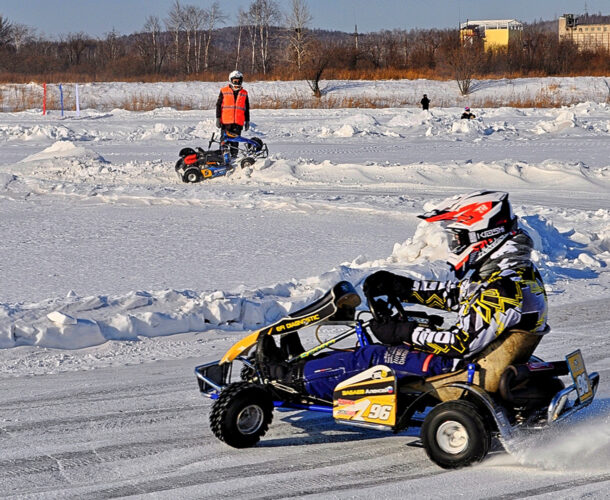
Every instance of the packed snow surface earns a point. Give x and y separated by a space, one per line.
116 279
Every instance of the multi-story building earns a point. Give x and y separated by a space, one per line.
585 36
493 33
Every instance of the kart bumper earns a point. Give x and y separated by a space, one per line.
567 402
213 377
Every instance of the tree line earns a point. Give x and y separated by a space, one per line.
266 42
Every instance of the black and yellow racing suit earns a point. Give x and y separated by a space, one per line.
486 307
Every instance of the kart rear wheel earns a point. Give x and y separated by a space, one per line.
257 147
192 175
241 415
247 162
454 435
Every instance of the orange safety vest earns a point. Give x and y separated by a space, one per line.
232 111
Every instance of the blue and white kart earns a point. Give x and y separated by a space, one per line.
196 165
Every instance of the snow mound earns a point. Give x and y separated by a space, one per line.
30 133
64 149
564 120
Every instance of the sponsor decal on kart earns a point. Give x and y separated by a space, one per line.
576 364
369 397
297 323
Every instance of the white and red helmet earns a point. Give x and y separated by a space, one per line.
236 79
476 225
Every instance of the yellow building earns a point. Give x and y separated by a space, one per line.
585 36
494 33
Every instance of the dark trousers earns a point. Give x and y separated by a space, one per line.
235 129
323 374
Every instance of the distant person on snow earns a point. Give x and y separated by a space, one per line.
233 109
497 288
425 102
467 115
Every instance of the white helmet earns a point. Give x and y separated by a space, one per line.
236 79
476 224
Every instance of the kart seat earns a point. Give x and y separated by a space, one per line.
513 346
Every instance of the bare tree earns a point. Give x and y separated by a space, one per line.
21 35
150 45
191 19
75 45
252 32
262 14
314 66
464 63
6 31
242 22
213 19
173 23
297 22
111 47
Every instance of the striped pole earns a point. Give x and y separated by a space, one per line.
61 99
44 98
77 103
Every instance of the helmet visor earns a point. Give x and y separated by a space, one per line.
236 81
457 240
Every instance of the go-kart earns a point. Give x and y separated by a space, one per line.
196 165
501 390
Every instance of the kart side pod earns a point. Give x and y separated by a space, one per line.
367 399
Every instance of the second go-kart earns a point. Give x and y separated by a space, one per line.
501 390
196 165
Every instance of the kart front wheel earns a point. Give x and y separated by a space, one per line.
454 435
247 162
241 415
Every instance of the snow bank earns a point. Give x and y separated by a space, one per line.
75 322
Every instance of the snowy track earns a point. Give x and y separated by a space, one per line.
137 430
96 230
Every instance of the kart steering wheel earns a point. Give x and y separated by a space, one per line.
382 309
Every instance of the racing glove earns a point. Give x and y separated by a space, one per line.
246 126
217 122
386 283
394 331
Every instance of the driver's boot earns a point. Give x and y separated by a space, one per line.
272 363
270 359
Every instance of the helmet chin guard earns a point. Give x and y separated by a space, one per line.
476 225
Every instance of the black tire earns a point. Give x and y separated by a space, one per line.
247 162
258 147
454 435
248 373
186 152
192 175
241 415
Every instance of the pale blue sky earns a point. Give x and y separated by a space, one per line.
97 17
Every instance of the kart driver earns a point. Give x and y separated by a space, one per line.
233 109
498 288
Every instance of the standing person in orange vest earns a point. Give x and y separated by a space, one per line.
233 109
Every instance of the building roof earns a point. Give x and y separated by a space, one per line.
493 23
